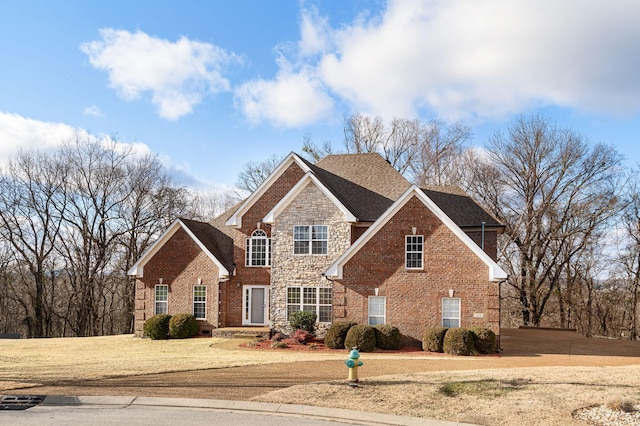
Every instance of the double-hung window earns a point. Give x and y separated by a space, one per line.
312 299
451 312
161 299
258 249
377 310
200 301
413 251
310 239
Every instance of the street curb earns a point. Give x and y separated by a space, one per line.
362 417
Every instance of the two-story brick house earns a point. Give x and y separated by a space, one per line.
348 238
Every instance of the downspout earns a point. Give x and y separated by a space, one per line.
482 237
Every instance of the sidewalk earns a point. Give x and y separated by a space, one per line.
337 414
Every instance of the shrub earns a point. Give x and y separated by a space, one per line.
302 337
182 326
484 340
303 320
277 337
157 327
334 339
361 336
387 337
458 341
433 339
278 344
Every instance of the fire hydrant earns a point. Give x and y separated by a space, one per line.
353 363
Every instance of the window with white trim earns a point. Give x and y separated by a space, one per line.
451 312
161 298
310 239
413 251
258 249
312 299
200 301
377 310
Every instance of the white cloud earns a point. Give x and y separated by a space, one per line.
461 59
93 111
179 75
18 132
294 98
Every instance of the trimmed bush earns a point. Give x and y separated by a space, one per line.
433 339
182 326
361 336
484 340
334 339
157 327
303 320
458 341
388 337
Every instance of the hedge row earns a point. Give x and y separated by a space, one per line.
459 341
164 326
366 338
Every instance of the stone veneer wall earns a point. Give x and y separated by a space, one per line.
311 207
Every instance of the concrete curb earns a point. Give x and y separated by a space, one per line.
242 406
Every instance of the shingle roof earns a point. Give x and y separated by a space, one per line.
365 183
460 207
217 242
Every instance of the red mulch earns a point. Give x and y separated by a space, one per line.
317 346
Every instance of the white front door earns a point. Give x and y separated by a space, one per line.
255 305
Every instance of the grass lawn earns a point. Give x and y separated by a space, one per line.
80 358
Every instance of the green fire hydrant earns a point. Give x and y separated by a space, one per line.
353 363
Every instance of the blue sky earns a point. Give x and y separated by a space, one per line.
210 85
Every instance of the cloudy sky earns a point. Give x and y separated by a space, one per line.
211 85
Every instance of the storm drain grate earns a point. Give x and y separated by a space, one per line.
19 402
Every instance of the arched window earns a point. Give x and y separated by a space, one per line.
258 249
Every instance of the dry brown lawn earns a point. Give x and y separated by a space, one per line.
541 377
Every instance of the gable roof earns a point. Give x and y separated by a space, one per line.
365 183
307 180
460 207
236 218
335 270
203 234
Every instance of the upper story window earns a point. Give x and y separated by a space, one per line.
258 250
413 251
310 239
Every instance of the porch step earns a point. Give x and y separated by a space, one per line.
242 332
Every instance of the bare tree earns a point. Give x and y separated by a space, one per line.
254 173
441 154
31 207
553 191
93 225
630 255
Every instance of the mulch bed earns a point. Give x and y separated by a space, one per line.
317 345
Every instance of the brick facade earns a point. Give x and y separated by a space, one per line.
181 264
414 298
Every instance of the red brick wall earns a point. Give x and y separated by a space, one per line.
180 263
414 298
232 291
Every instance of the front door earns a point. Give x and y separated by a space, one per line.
255 306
